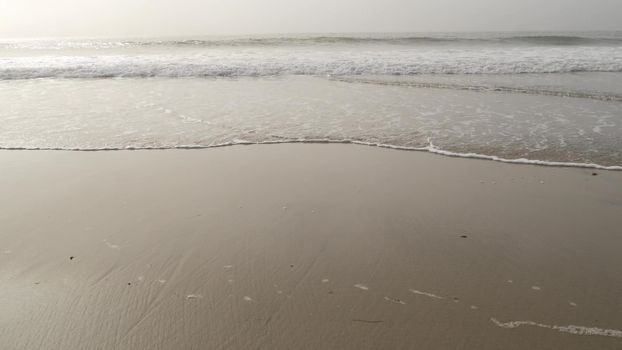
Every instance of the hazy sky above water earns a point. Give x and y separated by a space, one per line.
44 18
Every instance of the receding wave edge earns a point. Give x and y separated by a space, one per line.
431 148
601 96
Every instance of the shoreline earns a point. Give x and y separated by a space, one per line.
306 246
428 149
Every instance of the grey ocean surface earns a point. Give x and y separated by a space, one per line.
545 98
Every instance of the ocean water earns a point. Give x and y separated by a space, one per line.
544 98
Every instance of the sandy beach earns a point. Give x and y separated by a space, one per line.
305 246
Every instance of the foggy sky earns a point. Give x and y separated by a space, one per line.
107 18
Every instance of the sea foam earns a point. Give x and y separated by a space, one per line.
339 61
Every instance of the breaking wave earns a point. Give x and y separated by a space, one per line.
309 62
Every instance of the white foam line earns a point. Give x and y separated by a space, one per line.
396 301
426 294
361 286
430 148
111 246
572 329
433 149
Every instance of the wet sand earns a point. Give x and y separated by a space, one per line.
305 246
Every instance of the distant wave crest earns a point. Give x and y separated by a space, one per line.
552 40
276 41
